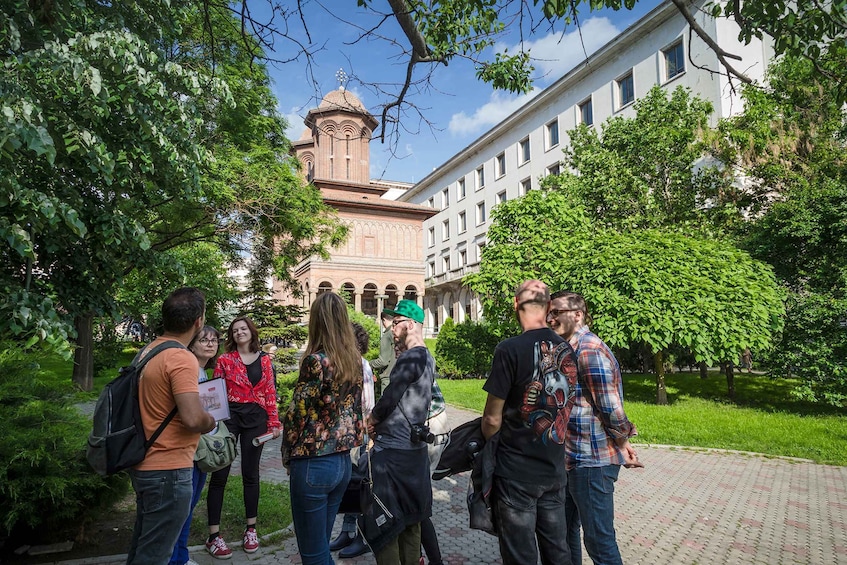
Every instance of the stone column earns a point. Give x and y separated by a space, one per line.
357 301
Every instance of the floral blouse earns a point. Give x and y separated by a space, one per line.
240 390
323 417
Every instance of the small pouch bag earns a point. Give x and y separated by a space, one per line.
216 449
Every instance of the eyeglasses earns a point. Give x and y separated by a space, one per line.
212 341
556 313
395 321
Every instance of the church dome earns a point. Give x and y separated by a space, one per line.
342 99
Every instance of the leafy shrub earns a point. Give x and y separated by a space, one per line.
45 480
284 386
371 327
465 350
107 346
814 347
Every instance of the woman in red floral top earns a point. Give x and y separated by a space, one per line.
323 422
251 391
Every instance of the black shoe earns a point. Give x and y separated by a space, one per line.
356 548
343 540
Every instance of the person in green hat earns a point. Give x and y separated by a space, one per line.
399 461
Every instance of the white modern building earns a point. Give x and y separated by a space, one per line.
512 157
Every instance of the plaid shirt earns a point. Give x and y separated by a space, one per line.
591 434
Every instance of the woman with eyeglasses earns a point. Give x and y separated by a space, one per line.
204 346
323 423
251 392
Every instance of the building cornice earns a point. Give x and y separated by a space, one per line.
610 50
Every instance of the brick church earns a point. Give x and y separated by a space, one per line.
382 260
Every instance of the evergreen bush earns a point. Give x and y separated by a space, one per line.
45 480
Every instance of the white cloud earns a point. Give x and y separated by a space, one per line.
556 53
295 118
498 107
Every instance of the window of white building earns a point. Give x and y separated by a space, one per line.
460 188
501 197
554 169
463 222
445 263
674 57
526 186
480 178
430 237
445 230
626 90
445 198
480 213
523 151
586 113
500 165
552 134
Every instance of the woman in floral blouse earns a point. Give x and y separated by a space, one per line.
251 391
323 422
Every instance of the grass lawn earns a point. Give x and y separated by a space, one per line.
765 418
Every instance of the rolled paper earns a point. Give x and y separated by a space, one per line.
257 441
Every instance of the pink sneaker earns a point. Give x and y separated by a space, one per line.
251 541
218 548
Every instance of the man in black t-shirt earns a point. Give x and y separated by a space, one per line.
530 394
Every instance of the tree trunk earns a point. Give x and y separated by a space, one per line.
83 375
646 354
704 374
730 379
661 393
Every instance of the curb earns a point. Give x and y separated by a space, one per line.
192 549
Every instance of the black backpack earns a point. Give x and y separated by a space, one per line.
117 440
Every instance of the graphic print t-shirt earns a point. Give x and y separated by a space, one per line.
535 373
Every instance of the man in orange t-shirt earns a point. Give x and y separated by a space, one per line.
162 482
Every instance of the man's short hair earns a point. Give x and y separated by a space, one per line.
575 300
182 308
386 315
532 292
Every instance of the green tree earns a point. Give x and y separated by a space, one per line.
110 115
647 287
651 170
791 141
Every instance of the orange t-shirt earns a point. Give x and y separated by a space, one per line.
173 371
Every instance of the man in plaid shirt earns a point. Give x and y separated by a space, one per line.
597 441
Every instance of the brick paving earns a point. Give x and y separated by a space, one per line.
688 506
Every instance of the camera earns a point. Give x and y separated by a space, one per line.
420 432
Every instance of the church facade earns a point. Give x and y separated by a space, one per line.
382 260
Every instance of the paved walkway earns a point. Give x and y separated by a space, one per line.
688 506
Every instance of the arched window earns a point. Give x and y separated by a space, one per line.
369 300
411 293
348 291
325 286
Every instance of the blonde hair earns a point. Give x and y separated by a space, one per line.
330 331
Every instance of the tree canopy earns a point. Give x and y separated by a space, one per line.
125 132
651 287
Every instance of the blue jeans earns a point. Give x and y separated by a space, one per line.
163 500
591 502
180 555
317 485
526 511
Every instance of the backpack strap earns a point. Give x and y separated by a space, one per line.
139 362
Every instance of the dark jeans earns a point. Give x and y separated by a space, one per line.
163 500
429 541
317 485
526 511
180 554
591 501
250 457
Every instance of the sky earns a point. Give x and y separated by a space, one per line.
458 108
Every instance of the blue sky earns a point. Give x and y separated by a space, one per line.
458 107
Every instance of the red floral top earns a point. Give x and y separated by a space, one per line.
240 390
323 417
